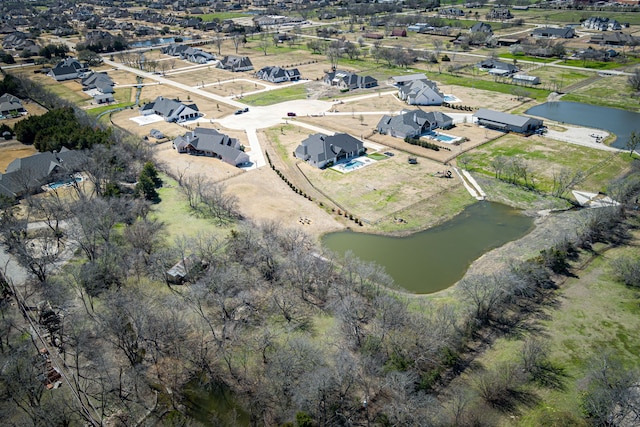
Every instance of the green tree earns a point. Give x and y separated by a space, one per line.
146 188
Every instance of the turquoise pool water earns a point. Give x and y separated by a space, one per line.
64 183
352 165
444 138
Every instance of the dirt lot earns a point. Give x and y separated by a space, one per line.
11 150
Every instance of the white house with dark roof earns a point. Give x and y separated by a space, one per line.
210 142
346 80
67 69
413 123
404 80
507 122
319 150
10 105
171 109
278 74
235 63
421 92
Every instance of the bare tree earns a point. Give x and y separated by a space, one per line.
218 39
633 142
265 42
237 40
565 180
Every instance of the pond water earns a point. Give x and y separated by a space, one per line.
619 122
434 259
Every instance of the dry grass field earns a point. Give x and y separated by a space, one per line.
11 150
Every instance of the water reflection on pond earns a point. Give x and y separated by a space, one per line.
435 259
619 122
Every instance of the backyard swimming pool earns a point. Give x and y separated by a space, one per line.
353 164
451 98
442 137
63 183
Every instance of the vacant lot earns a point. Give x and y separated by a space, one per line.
546 157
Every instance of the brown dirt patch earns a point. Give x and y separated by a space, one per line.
11 150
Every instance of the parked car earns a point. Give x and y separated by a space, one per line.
245 110
238 112
291 114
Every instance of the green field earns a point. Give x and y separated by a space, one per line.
174 212
594 314
221 16
546 156
275 96
95 112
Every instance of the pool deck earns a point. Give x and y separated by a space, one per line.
364 160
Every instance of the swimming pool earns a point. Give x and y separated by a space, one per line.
450 98
444 138
353 164
64 183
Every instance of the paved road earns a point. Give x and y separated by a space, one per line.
168 82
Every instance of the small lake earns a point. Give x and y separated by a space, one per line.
434 259
619 122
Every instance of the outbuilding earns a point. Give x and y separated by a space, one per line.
507 122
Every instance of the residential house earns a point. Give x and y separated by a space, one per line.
210 142
481 27
413 123
499 13
601 24
28 174
10 105
346 80
421 92
171 109
451 12
235 63
507 122
554 33
617 38
67 69
321 150
407 79
496 67
188 53
278 75
99 81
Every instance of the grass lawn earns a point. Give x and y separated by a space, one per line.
68 94
612 91
275 96
526 58
598 65
478 83
545 156
173 211
593 314
94 112
221 16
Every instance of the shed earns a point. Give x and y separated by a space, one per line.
507 122
399 32
525 79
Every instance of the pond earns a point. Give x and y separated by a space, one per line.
619 122
435 259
